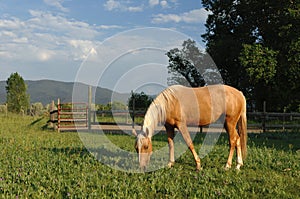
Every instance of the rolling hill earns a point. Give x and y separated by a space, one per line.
45 91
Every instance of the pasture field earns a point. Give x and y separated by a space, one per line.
39 163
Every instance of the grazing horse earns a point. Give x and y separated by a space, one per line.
178 106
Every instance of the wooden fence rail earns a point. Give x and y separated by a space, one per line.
65 118
69 116
272 121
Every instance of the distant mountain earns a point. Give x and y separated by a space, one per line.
45 91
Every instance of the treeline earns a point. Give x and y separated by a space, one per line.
252 45
256 46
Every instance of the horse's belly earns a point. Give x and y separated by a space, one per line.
203 119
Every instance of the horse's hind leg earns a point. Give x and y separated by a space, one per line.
170 133
187 138
234 142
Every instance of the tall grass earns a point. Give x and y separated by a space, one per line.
37 163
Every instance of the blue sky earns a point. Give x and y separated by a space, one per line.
52 39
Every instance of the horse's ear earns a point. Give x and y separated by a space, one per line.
134 132
147 132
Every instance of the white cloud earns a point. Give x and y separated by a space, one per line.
7 34
125 6
5 54
12 23
45 36
57 4
57 24
107 27
164 4
137 6
82 48
161 18
112 5
193 16
153 2
21 40
135 9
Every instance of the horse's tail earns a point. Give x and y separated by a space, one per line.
242 130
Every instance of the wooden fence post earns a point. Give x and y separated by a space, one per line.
264 117
52 125
133 108
58 114
6 109
89 107
283 121
201 129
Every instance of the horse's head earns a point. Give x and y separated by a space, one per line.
143 147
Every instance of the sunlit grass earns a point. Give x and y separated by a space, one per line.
36 163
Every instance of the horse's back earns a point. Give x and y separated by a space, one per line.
204 105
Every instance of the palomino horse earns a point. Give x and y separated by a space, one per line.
178 106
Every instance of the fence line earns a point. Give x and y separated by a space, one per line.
256 120
70 116
272 121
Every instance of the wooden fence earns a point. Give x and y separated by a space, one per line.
73 116
69 116
273 121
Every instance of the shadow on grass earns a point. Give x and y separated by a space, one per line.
287 141
41 123
36 121
69 151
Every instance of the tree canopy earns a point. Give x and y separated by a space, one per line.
140 101
256 45
186 62
190 66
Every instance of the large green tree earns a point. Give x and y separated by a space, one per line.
256 45
17 97
140 101
186 64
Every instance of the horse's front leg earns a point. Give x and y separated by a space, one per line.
197 159
170 133
187 138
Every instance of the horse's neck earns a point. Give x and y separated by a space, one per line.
150 123
155 114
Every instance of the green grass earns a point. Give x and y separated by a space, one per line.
37 163
119 119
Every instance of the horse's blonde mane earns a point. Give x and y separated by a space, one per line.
156 112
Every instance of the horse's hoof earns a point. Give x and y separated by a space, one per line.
171 164
238 167
227 166
199 169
